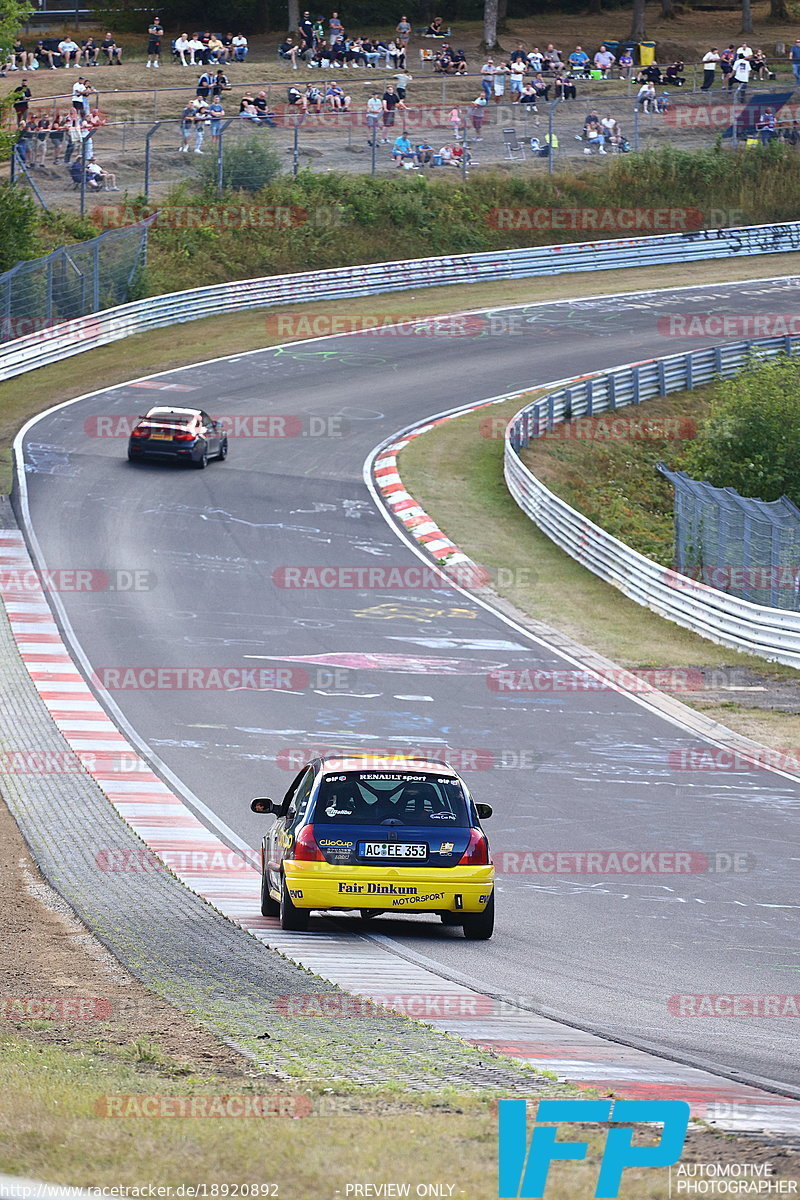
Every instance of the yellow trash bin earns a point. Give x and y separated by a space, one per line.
647 53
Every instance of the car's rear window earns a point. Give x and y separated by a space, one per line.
390 797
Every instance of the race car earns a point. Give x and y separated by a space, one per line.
179 434
395 835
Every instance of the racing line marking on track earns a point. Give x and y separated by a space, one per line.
361 965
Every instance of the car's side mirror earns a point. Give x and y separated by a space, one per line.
484 811
262 805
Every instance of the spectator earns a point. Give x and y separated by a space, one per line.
227 48
261 106
435 28
673 74
20 58
792 136
81 90
294 98
579 62
517 69
19 98
794 59
760 66
487 76
564 88
740 76
477 115
744 51
240 47
459 61
89 51
41 130
73 138
69 50
710 60
197 50
520 54
390 102
499 81
374 114
335 28
216 112
336 99
58 130
650 74
646 98
202 122
593 132
529 97
766 126
313 99
306 30
216 50
155 33
289 51
221 84
454 117
541 88
424 154
625 64
107 178
204 84
182 47
111 50
552 59
726 61
402 151
403 30
536 60
41 54
187 125
604 61
403 80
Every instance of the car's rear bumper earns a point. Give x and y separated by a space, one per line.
389 889
175 453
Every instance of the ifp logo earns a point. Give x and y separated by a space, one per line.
522 1169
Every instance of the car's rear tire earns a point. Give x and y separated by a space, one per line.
132 457
202 462
223 450
479 927
269 907
291 917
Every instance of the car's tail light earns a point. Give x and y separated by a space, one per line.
183 437
139 432
477 851
305 848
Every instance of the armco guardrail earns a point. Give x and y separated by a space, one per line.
768 632
53 345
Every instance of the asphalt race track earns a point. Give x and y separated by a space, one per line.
605 952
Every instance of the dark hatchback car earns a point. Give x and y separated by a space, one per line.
400 835
179 435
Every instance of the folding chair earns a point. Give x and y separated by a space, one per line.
427 56
514 148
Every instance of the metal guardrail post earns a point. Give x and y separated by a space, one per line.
49 294
83 176
96 277
550 129
220 157
374 148
296 147
147 138
636 126
465 149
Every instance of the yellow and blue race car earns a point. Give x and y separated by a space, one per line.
395 835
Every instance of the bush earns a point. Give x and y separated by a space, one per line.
751 439
17 226
247 166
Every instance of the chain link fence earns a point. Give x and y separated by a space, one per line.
72 282
748 548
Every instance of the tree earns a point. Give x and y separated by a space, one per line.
750 440
490 18
778 10
294 16
747 17
638 27
13 15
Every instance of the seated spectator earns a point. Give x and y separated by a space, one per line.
650 74
604 61
594 136
20 59
541 88
760 67
111 50
294 98
766 127
424 152
261 105
403 152
459 61
443 63
792 135
249 112
289 51
518 55
579 62
625 62
313 99
89 52
646 98
216 50
370 52
435 28
564 88
221 84
107 178
77 173
536 60
673 74
43 55
336 99
227 46
197 48
592 119
552 59
529 97
69 51
181 47
240 47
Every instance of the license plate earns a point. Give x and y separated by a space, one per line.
393 850
161 437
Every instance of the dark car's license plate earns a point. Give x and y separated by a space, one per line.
393 849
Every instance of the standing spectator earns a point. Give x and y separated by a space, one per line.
73 138
710 61
744 51
487 77
111 50
19 98
216 112
454 117
579 62
306 31
794 59
767 127
403 80
625 64
499 81
187 125
403 30
240 47
57 135
518 68
390 102
69 49
335 28
80 97
604 61
374 113
740 76
42 55
201 123
726 61
155 33
477 115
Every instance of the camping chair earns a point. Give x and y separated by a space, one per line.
514 148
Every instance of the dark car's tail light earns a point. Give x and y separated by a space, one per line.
183 437
305 848
477 851
139 432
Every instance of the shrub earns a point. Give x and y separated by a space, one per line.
247 166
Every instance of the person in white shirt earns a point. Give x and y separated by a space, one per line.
69 50
518 70
182 48
744 51
646 98
710 61
740 75
195 47
240 47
